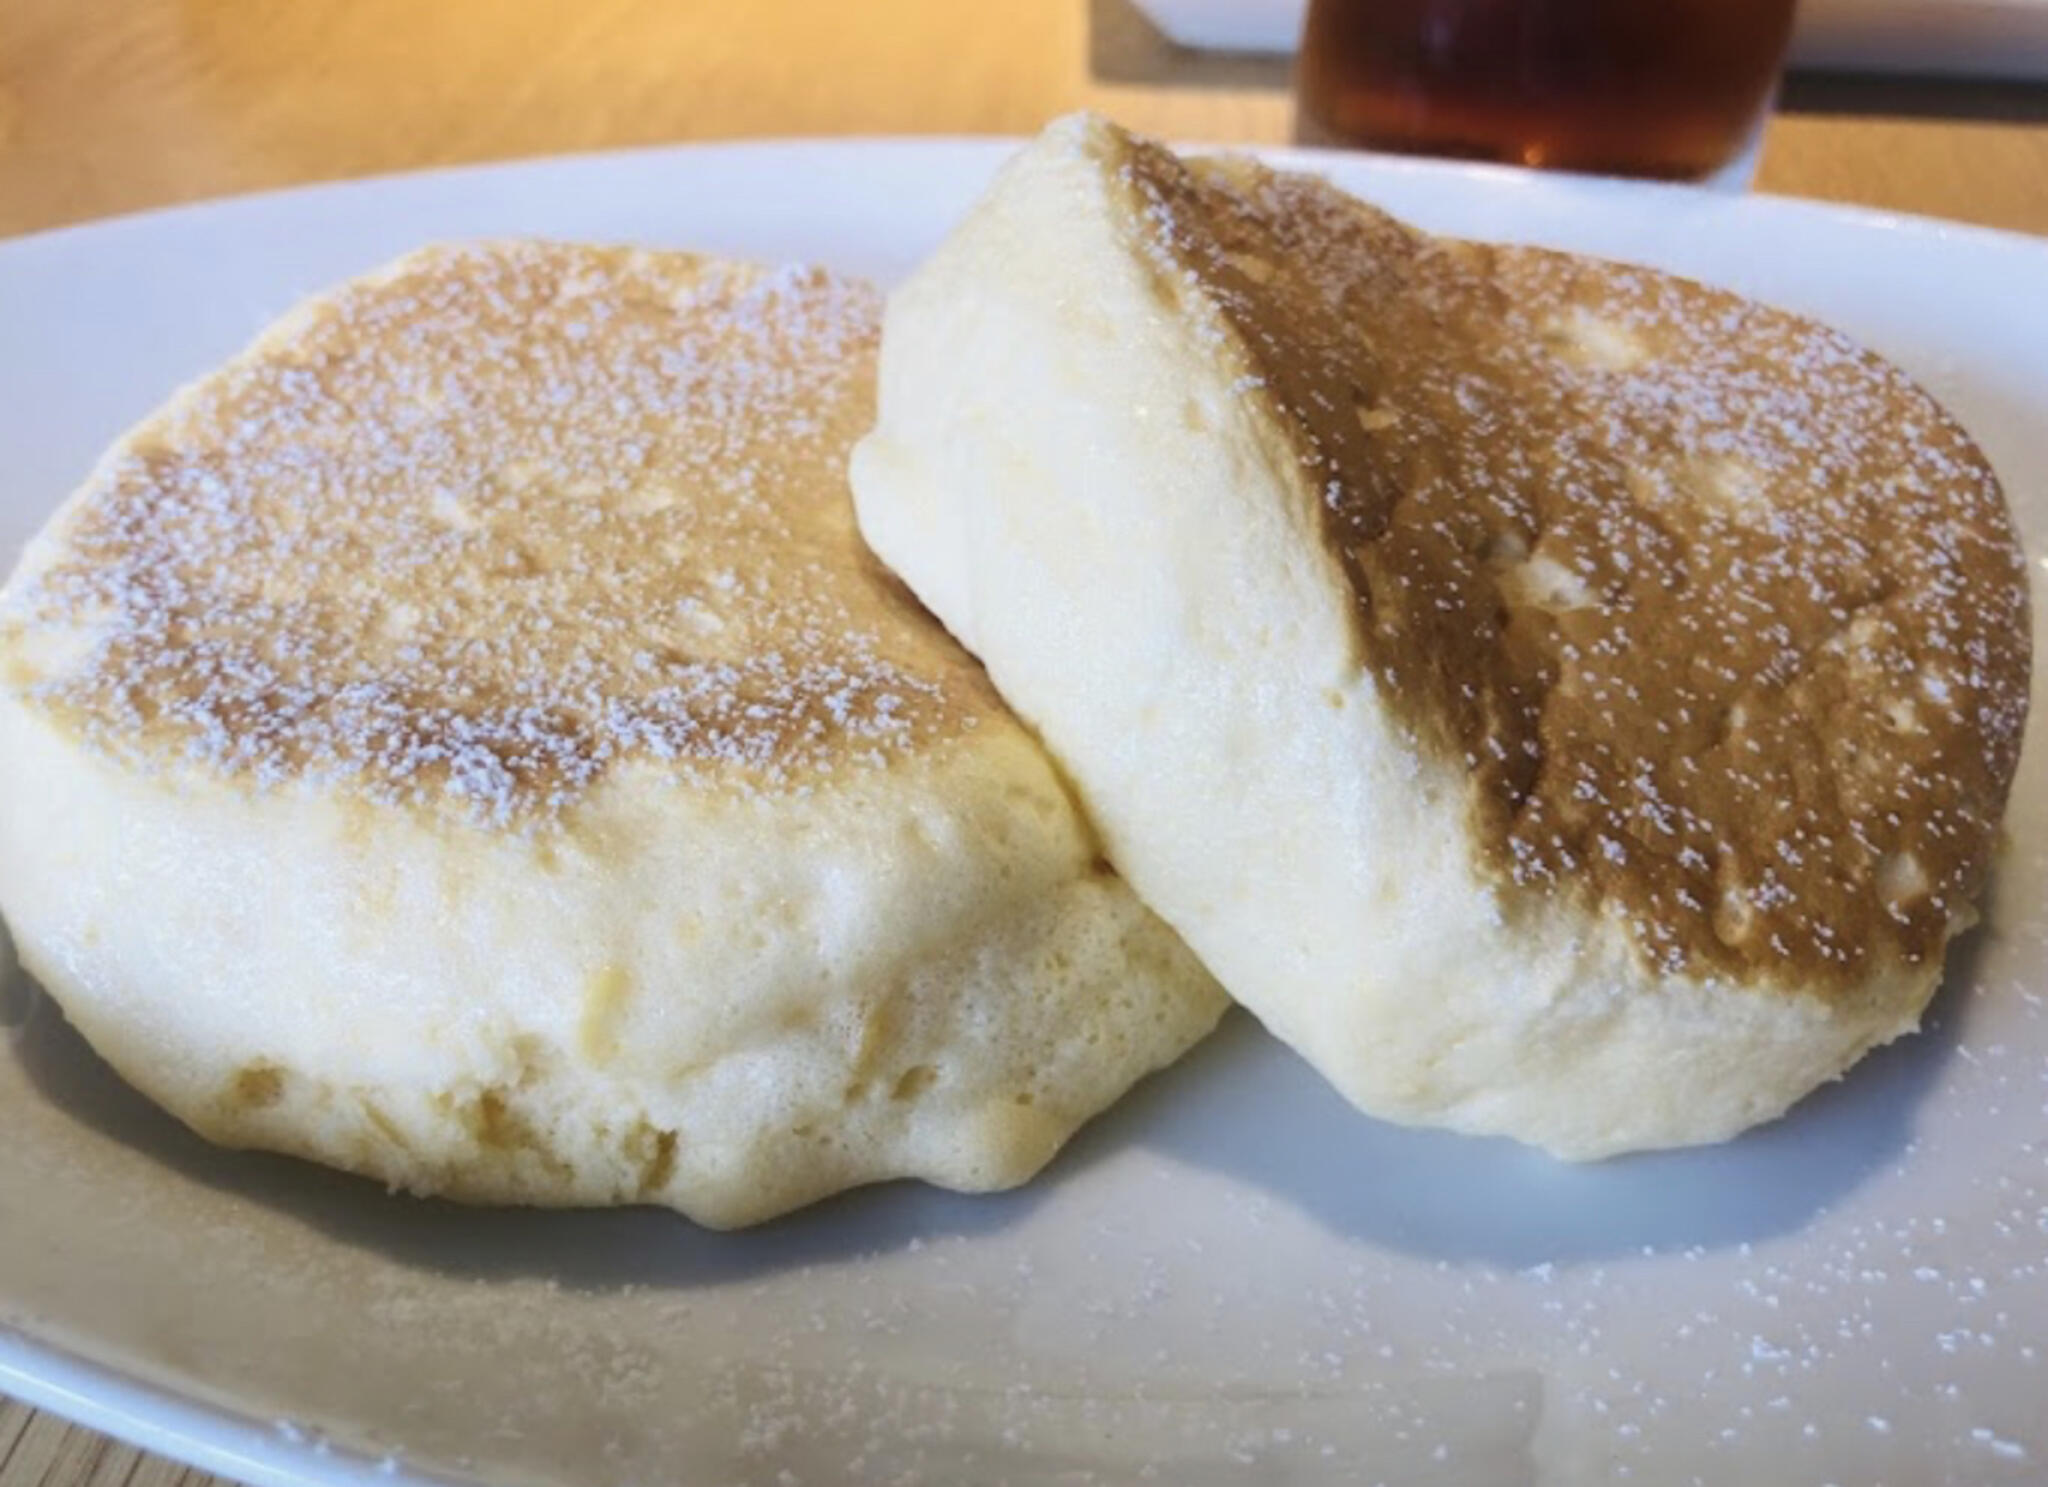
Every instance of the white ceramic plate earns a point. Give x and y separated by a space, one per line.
1232 1276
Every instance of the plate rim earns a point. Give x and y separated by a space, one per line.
1322 160
55 1379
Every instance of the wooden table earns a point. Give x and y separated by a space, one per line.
113 105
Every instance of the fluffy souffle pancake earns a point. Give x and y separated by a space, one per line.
464 740
1560 699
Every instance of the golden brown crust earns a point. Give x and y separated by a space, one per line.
1722 618
480 527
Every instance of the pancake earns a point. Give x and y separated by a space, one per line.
464 741
1560 699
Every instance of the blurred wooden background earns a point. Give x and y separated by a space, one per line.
111 105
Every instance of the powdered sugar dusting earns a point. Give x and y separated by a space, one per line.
475 530
1722 617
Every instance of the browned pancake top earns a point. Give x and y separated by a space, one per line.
1722 618
475 529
